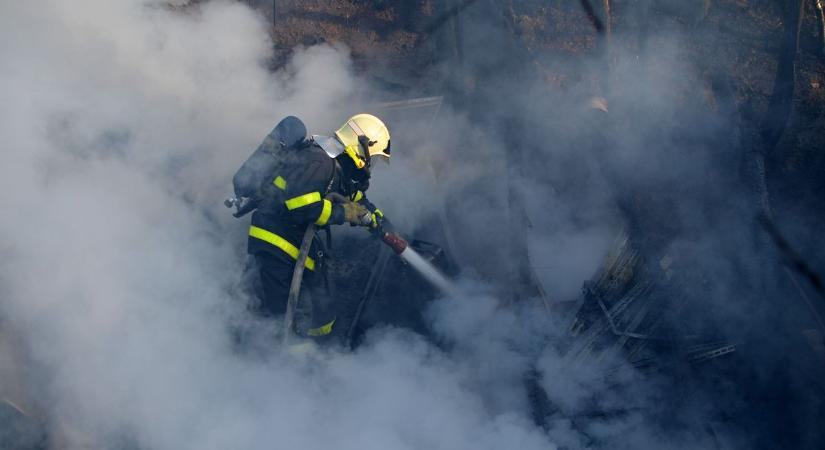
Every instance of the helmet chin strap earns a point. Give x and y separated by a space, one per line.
363 140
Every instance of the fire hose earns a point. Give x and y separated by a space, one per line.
378 227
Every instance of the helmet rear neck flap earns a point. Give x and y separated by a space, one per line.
354 179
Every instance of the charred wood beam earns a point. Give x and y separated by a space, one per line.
608 18
762 158
796 263
779 107
603 31
525 285
793 258
419 102
459 43
451 12
820 12
604 48
591 14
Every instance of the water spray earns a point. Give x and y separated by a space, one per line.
402 248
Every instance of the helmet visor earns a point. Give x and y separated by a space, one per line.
332 147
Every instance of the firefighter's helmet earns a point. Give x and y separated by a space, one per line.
366 136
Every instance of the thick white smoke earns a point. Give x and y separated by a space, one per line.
123 122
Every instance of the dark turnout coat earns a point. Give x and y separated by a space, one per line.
294 198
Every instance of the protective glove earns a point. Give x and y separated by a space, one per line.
376 219
354 212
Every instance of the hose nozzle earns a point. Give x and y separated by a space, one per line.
396 242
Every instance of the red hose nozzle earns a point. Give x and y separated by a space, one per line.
396 242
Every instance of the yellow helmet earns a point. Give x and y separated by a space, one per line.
375 135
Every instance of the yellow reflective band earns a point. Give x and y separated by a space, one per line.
322 330
283 244
378 211
358 196
280 183
325 213
303 200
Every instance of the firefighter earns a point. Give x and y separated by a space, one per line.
322 183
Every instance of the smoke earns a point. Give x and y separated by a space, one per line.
664 163
123 123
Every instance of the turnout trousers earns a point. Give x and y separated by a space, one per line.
315 314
